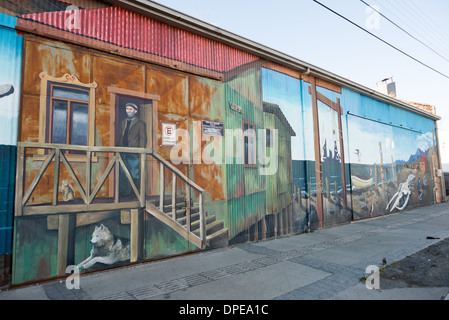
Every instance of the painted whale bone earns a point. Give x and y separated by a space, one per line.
405 190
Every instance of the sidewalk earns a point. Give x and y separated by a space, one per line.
325 264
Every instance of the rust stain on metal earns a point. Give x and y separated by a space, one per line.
122 74
126 29
171 87
200 99
210 178
56 59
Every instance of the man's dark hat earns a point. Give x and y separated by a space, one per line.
132 105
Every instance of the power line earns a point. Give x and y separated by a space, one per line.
380 39
411 26
418 19
442 32
395 24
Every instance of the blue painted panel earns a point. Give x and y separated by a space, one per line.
7 189
373 109
11 48
387 148
7 21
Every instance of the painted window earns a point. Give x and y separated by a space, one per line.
69 115
249 139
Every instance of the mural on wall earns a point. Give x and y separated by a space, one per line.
295 100
95 141
285 92
11 64
10 85
391 168
122 161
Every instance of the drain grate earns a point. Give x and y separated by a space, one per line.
172 285
196 280
145 292
118 296
242 267
268 261
214 274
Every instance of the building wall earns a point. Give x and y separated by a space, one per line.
383 148
390 143
10 64
366 151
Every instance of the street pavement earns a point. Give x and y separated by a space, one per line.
328 264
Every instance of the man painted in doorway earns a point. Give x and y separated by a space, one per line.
133 134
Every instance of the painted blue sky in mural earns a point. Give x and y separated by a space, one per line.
10 66
367 140
285 91
365 136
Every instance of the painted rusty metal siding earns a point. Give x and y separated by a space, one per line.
125 29
19 7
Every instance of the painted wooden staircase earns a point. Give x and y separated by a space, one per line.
183 214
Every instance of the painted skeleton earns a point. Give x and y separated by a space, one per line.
402 197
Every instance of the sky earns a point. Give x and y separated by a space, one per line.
307 31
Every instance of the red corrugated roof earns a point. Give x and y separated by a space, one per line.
130 30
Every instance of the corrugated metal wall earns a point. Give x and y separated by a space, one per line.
392 146
246 187
123 28
7 179
10 75
10 80
250 202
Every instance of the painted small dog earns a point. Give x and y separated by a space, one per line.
104 250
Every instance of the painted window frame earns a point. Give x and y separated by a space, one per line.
46 105
69 116
246 157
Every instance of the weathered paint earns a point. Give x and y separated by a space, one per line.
7 184
129 30
394 144
11 47
11 66
244 90
246 187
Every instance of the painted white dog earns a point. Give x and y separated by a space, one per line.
104 250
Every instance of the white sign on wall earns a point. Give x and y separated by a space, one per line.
169 136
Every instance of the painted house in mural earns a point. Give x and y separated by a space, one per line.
138 136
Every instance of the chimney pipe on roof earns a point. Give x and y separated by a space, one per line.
387 86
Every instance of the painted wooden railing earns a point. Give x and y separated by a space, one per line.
185 228
87 156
